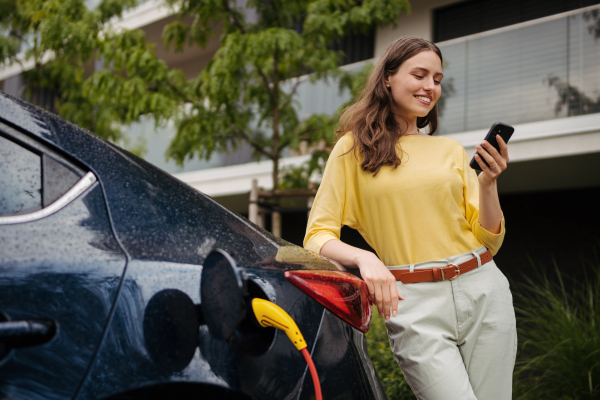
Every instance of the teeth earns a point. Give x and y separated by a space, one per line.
426 99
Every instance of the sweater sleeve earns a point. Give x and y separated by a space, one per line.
471 192
328 210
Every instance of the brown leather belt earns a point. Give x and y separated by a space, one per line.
451 272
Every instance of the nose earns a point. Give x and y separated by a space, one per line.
429 84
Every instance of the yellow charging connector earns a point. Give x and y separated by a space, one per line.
271 315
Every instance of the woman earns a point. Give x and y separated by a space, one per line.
431 220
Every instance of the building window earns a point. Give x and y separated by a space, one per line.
469 17
356 47
40 96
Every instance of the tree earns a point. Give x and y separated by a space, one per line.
244 95
575 100
64 39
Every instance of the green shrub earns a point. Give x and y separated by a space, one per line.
559 335
388 370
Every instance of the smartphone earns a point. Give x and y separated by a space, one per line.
498 128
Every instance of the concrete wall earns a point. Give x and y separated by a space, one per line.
419 23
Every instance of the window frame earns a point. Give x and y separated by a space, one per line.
87 179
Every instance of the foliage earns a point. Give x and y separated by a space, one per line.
572 98
106 77
559 335
593 19
64 40
246 92
380 353
302 176
311 171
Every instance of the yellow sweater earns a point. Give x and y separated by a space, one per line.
426 209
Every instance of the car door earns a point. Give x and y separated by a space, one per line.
60 269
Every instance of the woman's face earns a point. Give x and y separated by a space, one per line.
416 86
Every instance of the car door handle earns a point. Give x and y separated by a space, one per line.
27 332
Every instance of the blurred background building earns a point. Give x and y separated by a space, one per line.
534 64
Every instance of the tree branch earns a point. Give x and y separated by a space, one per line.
236 21
292 93
255 145
267 84
183 95
305 132
283 144
240 26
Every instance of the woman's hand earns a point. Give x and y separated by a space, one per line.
497 161
381 284
379 279
490 213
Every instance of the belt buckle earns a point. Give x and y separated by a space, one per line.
457 271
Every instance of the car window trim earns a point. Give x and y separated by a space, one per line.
79 188
23 139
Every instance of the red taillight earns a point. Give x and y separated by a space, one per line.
342 293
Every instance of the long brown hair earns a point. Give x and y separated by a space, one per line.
371 118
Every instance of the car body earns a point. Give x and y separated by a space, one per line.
101 262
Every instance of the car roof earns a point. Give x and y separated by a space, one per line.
156 216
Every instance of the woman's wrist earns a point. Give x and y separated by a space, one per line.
365 259
487 184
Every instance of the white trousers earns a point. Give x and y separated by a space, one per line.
456 340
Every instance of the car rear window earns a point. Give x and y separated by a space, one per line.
20 179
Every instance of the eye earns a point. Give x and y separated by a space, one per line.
437 82
418 76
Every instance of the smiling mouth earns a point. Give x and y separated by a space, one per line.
423 99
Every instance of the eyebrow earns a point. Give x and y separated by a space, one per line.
426 70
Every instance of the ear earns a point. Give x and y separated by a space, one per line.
387 83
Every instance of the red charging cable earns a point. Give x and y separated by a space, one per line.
313 373
269 314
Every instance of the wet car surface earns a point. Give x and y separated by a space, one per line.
101 259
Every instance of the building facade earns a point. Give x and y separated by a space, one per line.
532 64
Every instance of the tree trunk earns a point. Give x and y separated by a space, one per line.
253 207
275 105
275 216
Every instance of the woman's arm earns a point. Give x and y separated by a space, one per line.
379 280
490 213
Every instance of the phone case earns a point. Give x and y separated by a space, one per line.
498 128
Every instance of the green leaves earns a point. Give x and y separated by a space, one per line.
559 335
105 79
332 19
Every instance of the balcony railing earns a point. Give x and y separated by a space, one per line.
535 71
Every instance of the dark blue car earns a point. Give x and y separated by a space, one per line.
119 281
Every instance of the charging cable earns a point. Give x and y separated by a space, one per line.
271 315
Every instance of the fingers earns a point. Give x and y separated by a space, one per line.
378 300
385 296
395 297
503 147
383 291
372 293
479 158
496 161
387 302
500 157
489 154
382 285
